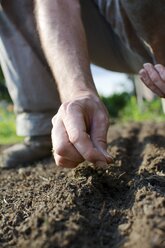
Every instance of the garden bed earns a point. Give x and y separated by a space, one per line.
120 206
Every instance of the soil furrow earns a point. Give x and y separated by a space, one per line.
120 206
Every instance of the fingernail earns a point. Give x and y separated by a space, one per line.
147 65
101 164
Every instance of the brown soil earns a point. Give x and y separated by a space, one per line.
122 206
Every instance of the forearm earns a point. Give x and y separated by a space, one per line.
64 43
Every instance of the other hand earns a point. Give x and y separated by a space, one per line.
153 76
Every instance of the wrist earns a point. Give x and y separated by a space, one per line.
78 92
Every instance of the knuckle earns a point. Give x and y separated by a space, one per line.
61 149
54 119
67 107
74 137
154 77
71 105
63 107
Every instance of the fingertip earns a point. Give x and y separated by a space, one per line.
109 159
141 71
147 65
158 67
101 164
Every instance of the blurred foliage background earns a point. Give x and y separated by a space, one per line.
124 107
121 107
7 117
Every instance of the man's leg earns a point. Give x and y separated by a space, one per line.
29 81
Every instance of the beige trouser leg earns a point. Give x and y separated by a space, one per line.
27 75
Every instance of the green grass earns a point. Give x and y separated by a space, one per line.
150 111
124 107
7 125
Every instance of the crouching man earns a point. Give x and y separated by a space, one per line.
45 52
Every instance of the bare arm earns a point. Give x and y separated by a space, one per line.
80 126
64 42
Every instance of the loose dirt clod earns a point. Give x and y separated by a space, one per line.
122 206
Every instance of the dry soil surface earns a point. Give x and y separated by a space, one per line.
121 206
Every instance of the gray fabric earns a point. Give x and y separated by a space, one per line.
116 15
27 73
106 48
28 78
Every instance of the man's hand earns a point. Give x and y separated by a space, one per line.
154 78
79 132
